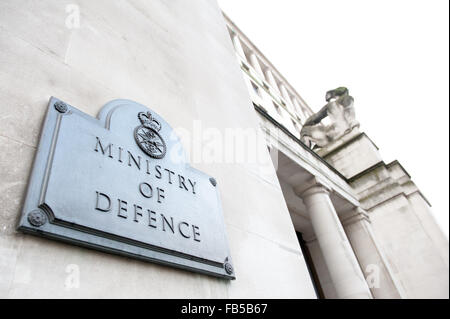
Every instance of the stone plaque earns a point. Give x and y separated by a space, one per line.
121 183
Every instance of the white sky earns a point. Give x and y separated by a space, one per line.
392 55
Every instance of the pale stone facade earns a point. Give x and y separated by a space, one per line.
355 215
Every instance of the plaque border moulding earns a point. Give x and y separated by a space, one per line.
39 219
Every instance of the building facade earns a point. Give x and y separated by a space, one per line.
383 220
302 221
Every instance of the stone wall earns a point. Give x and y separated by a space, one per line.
414 247
175 57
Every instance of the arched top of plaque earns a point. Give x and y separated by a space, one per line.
151 133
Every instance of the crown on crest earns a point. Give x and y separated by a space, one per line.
149 121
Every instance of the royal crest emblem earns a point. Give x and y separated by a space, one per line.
147 136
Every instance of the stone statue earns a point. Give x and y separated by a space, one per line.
341 115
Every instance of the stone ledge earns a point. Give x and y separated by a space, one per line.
345 140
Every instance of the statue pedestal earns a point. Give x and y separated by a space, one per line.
351 154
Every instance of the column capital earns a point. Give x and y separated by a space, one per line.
312 186
355 215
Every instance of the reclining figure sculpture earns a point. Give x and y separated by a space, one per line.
341 114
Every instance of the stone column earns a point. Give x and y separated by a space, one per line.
266 98
238 46
255 64
286 97
258 99
271 79
299 110
341 262
381 280
285 118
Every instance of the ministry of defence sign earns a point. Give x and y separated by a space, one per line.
121 183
